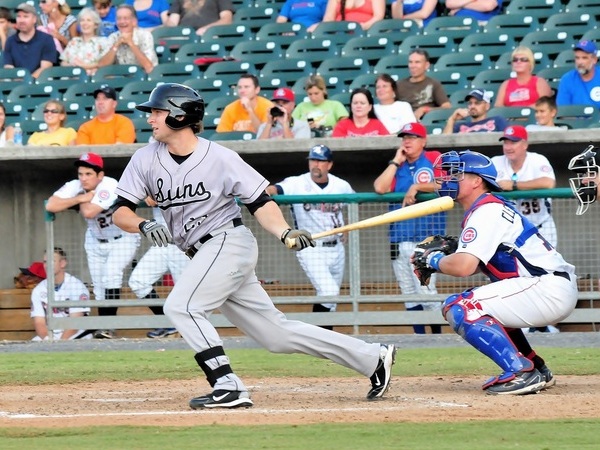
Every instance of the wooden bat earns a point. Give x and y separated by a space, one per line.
408 212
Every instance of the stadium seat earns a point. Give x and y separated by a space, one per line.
583 6
395 65
81 94
257 53
282 33
347 29
574 23
143 130
229 72
174 37
490 80
435 120
62 77
566 58
113 72
31 95
452 79
521 115
255 17
592 35
213 111
463 60
553 75
369 48
164 54
549 42
189 53
208 89
10 78
313 51
341 71
435 44
457 98
366 80
492 44
540 9
286 71
174 72
577 116
136 92
31 126
453 27
343 98
514 25
77 5
228 35
232 136
396 30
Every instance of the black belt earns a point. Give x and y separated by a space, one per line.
329 244
106 241
564 275
190 252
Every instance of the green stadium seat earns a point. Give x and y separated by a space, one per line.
189 53
174 37
255 16
208 89
113 72
435 44
62 77
396 30
574 23
395 65
490 80
514 25
435 120
229 72
11 78
577 116
232 136
341 71
548 42
553 75
370 48
257 53
286 71
313 51
453 27
228 35
174 72
492 44
540 9
584 6
521 115
282 33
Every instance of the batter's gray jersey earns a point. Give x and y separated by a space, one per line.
196 196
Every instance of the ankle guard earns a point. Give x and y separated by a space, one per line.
212 375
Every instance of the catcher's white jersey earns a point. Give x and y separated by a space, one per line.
101 226
71 289
537 210
316 217
195 196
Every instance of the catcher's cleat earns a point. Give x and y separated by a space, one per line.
523 383
380 380
222 399
548 376
162 333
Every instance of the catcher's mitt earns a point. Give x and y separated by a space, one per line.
432 247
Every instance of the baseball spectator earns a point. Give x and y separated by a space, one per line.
478 105
362 120
480 10
525 88
29 48
248 111
200 14
109 250
324 263
56 20
521 170
66 287
6 131
581 85
365 12
545 112
411 172
55 133
151 14
6 26
393 113
307 14
131 44
321 113
422 92
108 16
419 11
86 49
280 124
107 127
155 263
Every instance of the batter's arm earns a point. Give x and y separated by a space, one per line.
127 220
271 218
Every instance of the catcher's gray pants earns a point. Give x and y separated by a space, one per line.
221 275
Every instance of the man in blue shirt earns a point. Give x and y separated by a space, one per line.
581 86
29 48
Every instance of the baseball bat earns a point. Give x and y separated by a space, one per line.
408 212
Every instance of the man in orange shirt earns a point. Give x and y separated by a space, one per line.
249 111
107 127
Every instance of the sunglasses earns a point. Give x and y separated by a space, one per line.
52 111
523 60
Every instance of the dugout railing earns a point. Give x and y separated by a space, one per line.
367 264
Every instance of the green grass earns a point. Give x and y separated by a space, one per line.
65 368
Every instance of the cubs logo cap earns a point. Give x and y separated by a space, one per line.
92 160
36 269
479 94
413 129
108 91
514 133
587 46
284 94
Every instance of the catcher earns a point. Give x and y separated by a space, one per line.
531 284
585 183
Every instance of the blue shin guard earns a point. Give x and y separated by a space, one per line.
489 337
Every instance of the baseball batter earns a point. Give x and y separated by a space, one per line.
109 250
521 170
323 264
195 183
531 283
66 287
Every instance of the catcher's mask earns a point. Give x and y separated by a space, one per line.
185 105
453 165
584 184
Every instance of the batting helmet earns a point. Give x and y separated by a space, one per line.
584 185
181 101
320 153
453 165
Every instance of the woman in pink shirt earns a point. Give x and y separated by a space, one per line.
525 88
362 120
365 12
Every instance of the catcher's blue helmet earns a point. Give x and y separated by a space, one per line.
320 153
454 164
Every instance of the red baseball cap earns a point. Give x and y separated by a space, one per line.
92 160
284 94
514 133
413 129
35 269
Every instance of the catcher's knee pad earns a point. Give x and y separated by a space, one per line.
221 364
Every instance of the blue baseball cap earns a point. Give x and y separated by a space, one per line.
587 46
320 153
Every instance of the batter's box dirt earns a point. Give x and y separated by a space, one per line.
290 401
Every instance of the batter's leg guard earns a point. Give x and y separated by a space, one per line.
485 334
212 375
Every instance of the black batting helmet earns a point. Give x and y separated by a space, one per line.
180 101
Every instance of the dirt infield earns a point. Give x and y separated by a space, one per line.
291 401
